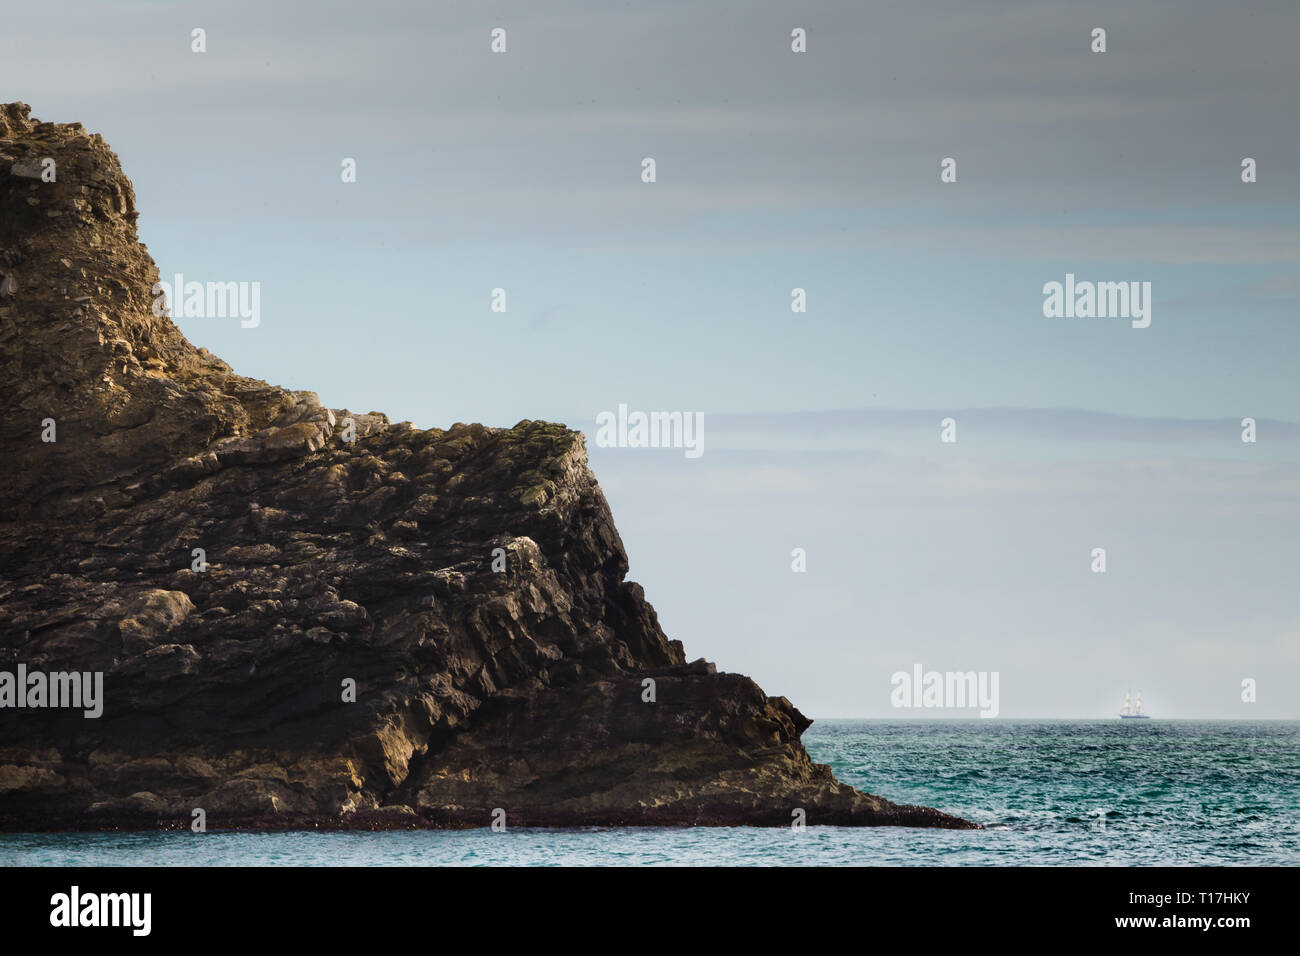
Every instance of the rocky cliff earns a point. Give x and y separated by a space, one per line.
331 558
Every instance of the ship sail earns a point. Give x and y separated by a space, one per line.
1132 709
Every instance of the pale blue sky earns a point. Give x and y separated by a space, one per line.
776 170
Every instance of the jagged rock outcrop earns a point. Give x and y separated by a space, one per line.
328 561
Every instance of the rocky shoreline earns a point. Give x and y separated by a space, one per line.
390 818
312 618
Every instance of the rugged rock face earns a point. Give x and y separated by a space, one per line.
328 561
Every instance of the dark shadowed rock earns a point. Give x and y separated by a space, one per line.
328 562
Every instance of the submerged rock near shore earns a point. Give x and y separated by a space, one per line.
307 616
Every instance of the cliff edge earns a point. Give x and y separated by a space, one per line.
232 557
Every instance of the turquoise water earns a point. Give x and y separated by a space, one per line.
1050 792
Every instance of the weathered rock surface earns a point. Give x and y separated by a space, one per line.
327 561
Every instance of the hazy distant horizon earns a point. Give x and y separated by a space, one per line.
1028 720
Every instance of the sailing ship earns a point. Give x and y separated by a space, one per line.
1132 710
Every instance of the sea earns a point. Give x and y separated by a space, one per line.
1049 793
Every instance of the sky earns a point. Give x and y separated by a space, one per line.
778 170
